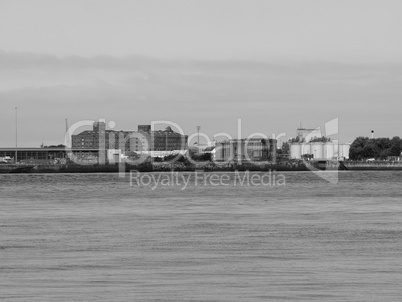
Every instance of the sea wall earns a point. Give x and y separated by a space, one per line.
376 165
293 165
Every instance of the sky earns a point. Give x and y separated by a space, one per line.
272 64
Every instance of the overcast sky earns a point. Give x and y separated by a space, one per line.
272 63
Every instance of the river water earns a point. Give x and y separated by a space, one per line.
83 237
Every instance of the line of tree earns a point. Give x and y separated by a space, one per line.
52 146
315 139
378 148
322 139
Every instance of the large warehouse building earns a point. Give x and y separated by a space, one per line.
142 140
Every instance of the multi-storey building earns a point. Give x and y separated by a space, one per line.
246 150
100 138
142 140
168 140
163 140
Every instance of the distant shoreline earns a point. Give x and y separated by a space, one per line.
212 167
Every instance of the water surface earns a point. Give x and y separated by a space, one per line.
83 237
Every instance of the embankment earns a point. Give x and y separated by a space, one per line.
294 165
375 165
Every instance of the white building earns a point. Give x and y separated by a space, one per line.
305 134
328 150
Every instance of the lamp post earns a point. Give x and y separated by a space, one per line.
16 133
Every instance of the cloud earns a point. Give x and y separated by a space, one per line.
270 96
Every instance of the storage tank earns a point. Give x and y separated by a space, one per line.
317 150
336 150
329 150
219 152
340 150
305 149
295 151
344 150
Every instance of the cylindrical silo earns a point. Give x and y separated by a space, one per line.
344 150
218 152
295 151
305 149
317 150
329 150
336 150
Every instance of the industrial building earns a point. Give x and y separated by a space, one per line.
305 134
246 150
319 150
100 138
142 140
49 154
102 146
163 140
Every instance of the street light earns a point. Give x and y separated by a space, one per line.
198 138
16 133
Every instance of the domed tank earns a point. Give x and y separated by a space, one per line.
295 151
317 150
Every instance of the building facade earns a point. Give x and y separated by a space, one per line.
142 140
100 138
49 155
168 140
246 150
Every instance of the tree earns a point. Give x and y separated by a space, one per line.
384 153
322 139
396 146
285 148
356 148
382 143
371 149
